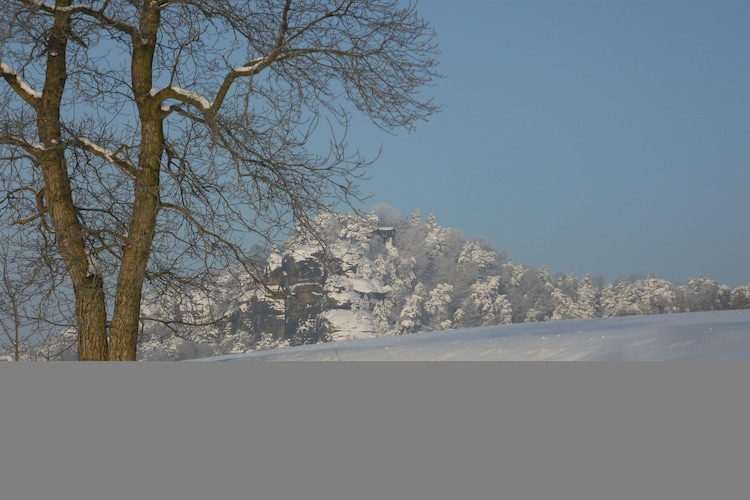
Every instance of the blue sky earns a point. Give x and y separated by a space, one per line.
610 137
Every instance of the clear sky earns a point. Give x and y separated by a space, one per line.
610 137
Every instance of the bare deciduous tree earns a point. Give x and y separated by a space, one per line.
146 139
32 302
12 295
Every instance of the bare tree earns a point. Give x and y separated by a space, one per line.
12 294
32 302
150 138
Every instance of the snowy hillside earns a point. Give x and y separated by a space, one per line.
373 275
703 335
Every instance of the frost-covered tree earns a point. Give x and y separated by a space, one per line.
438 307
565 297
534 297
410 318
658 296
641 296
740 298
381 317
587 298
477 254
433 241
396 274
566 308
703 294
485 305
416 217
619 299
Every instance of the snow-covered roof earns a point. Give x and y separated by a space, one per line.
366 286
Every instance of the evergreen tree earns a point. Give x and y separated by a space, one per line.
587 298
410 318
740 297
438 307
484 306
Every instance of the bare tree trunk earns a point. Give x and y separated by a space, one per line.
126 317
87 282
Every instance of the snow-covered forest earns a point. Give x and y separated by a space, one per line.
380 274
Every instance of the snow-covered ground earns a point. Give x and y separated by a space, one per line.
702 335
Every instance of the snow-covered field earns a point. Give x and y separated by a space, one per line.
702 335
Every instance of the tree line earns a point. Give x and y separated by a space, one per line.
402 274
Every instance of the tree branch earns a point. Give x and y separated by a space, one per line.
124 164
98 14
18 84
33 148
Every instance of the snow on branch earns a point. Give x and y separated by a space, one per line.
45 6
251 67
123 26
18 84
112 157
72 9
185 96
27 145
193 98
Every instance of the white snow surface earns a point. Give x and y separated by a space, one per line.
701 335
350 325
366 286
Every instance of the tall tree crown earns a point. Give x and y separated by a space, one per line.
149 138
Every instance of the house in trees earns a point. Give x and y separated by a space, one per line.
386 234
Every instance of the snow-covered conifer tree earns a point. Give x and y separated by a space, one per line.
657 297
473 253
484 306
587 297
703 294
410 319
740 298
437 307
416 217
